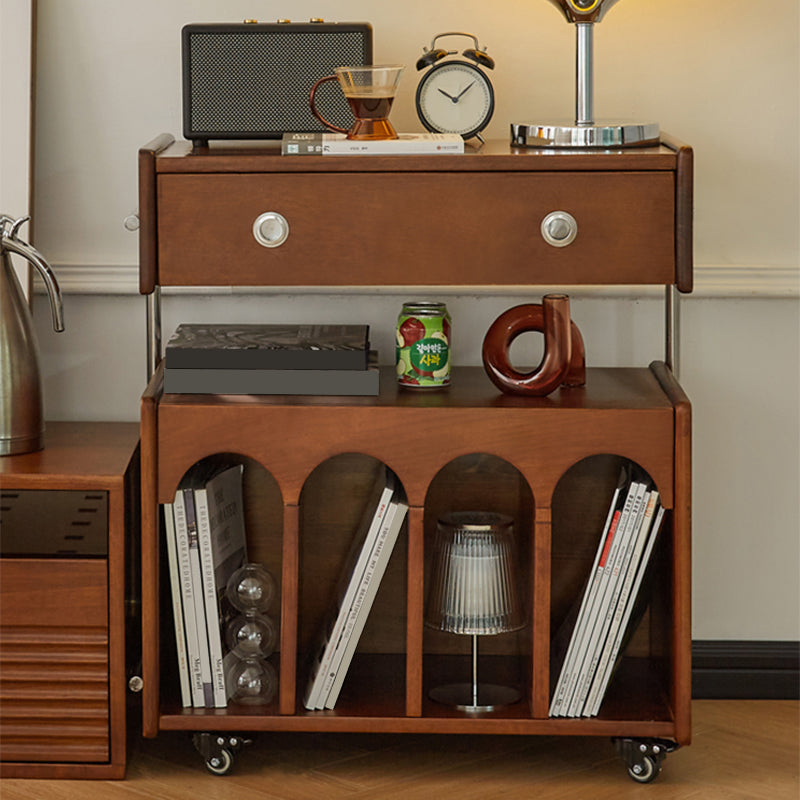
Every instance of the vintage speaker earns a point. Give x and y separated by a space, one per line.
252 80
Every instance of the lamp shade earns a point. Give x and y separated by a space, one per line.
473 587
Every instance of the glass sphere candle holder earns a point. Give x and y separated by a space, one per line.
251 589
251 681
251 635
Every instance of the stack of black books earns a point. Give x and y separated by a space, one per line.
271 359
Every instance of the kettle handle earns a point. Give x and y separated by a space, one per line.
11 242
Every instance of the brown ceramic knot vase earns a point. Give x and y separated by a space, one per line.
564 359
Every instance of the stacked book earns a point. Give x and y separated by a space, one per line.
607 607
271 359
337 144
369 555
205 542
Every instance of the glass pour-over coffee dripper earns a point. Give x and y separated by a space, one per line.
370 92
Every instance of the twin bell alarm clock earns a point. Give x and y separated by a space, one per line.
455 95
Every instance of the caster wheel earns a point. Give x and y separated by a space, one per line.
220 764
646 771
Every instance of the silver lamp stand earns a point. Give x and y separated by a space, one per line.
585 131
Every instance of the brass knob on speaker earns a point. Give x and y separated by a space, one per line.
271 229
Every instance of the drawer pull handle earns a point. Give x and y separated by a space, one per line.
271 229
559 228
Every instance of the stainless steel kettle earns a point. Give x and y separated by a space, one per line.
21 420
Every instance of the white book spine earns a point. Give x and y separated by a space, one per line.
210 599
199 602
314 698
366 596
628 610
177 605
609 591
187 596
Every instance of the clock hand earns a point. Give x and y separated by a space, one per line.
463 92
448 96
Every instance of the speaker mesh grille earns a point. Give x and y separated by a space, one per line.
258 83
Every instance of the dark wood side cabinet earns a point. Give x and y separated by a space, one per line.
69 538
548 462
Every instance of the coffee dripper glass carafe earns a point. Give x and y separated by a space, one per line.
370 92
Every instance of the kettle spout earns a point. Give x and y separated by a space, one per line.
9 242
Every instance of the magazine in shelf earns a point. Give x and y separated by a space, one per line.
193 643
177 605
197 591
362 604
623 616
223 549
608 592
361 547
569 665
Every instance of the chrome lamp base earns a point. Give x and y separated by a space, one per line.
599 134
475 699
585 130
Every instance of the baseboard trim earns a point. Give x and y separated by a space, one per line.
746 670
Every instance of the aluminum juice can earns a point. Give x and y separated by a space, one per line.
423 345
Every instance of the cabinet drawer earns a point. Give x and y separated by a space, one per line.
54 661
416 228
50 522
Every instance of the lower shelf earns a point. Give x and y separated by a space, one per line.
639 711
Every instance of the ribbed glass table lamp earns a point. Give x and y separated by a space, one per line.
474 592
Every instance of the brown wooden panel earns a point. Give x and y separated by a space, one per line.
151 614
467 419
148 221
417 229
53 593
76 455
54 661
495 154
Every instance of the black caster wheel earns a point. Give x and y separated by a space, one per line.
643 757
645 771
220 764
218 750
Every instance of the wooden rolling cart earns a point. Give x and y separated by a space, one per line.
251 217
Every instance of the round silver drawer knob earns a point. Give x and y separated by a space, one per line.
559 228
271 229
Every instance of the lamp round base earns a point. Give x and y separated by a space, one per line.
490 697
603 134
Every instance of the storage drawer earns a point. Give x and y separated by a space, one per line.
54 661
416 228
54 522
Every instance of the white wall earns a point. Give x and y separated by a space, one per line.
727 83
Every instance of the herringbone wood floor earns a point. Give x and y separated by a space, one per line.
741 750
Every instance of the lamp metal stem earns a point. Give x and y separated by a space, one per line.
584 74
474 669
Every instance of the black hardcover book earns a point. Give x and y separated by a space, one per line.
320 382
221 346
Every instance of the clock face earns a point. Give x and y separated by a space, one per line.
455 97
